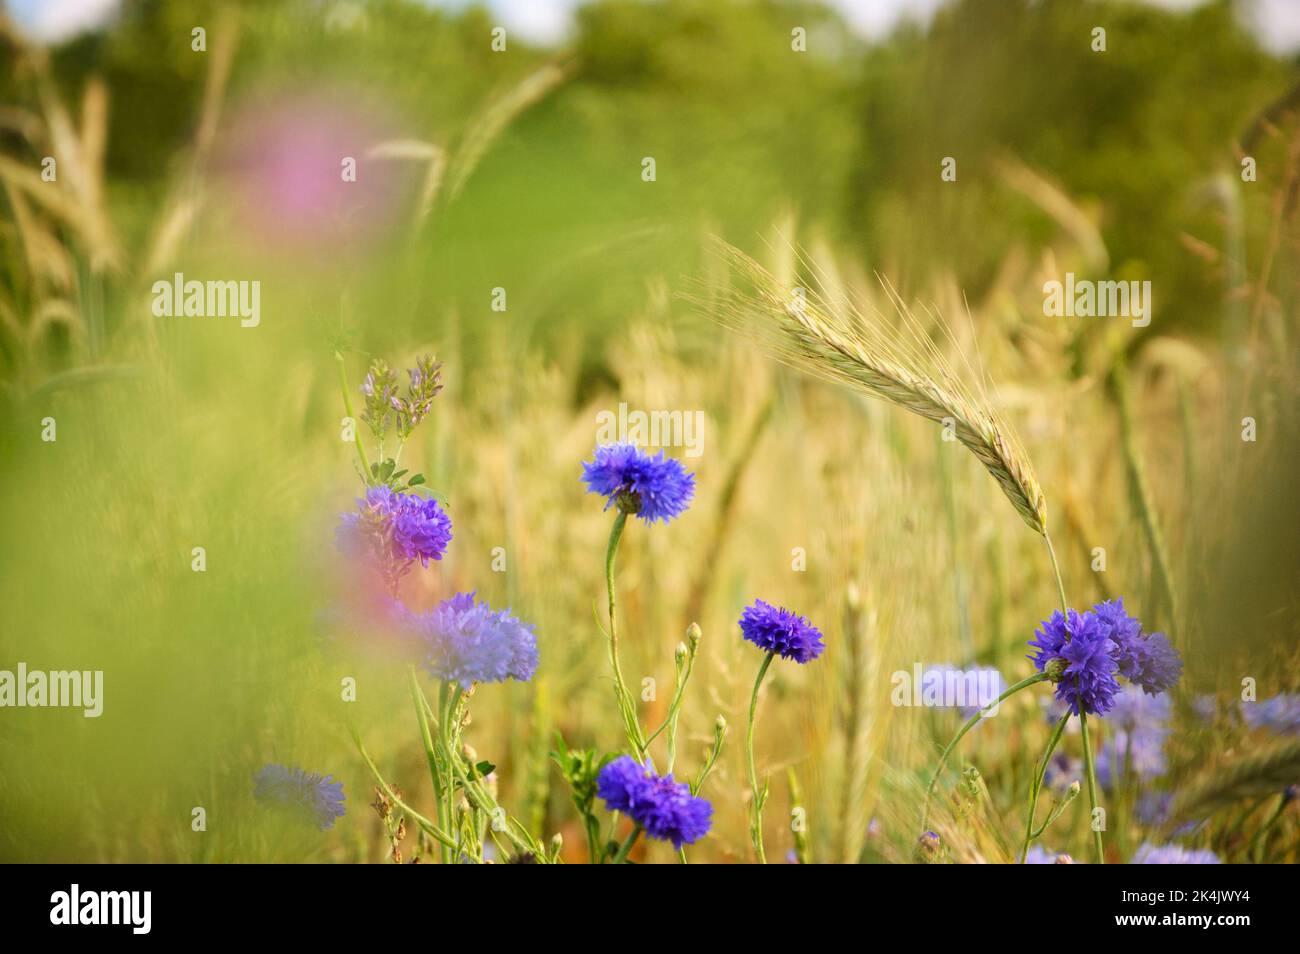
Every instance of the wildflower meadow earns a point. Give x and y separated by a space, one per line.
649 432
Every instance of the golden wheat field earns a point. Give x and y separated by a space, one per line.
941 329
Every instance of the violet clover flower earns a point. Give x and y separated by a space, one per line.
392 530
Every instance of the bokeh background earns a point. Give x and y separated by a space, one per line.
522 170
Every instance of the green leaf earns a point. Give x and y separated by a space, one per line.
417 479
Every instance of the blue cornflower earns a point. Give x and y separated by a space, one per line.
1280 714
466 641
653 488
664 808
781 631
1078 655
1146 660
315 798
1149 854
1078 666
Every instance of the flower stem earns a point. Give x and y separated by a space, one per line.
1083 723
431 755
1036 788
970 723
630 723
626 848
1090 767
433 830
443 785
1056 570
347 407
511 829
756 807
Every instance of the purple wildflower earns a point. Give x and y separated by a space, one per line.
664 808
1280 714
383 407
466 641
1145 660
1141 726
652 488
392 530
313 797
1078 655
1149 854
421 530
781 631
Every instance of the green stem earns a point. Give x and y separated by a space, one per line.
1037 787
444 783
521 839
1090 768
431 756
518 835
756 821
626 848
437 833
1056 570
719 734
970 723
1083 724
628 709
356 431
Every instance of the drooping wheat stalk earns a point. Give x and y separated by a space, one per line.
897 364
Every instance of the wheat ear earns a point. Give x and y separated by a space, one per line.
897 364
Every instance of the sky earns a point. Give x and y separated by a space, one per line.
1276 22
